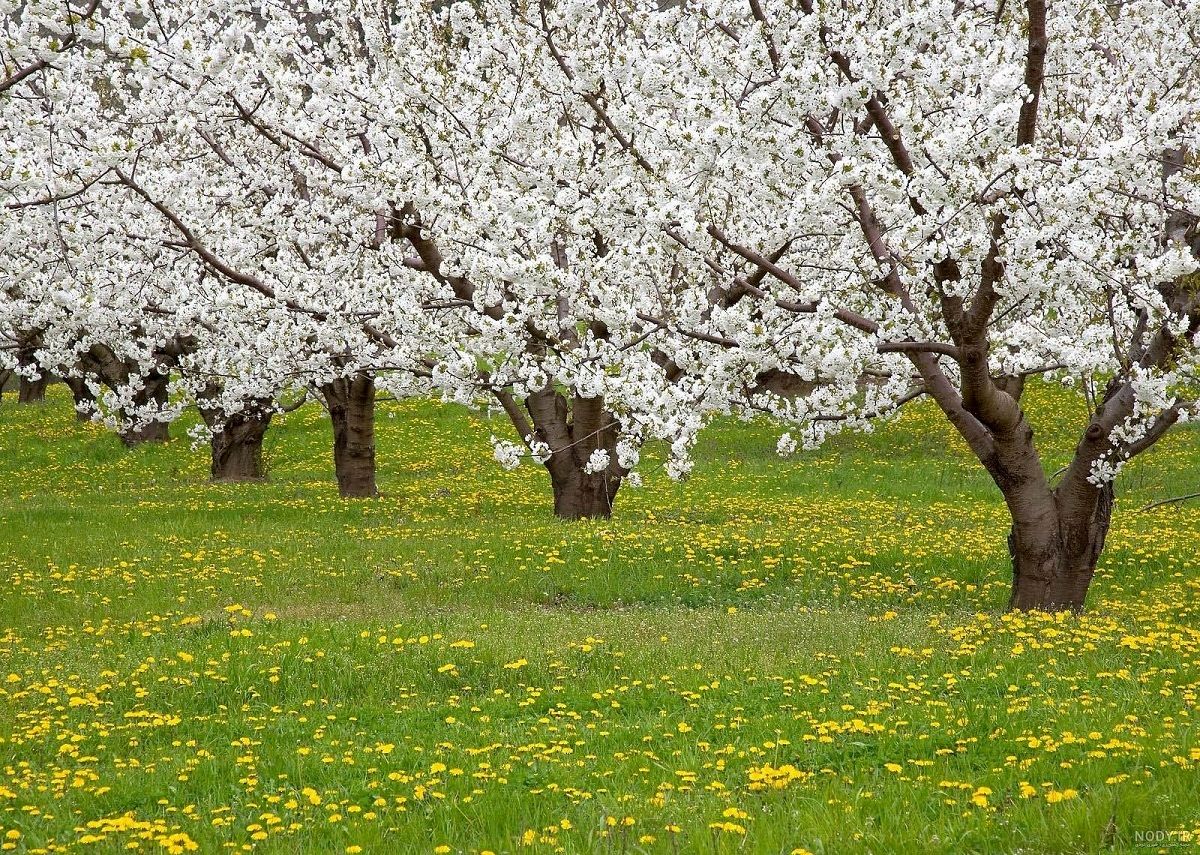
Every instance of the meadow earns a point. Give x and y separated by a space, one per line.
800 656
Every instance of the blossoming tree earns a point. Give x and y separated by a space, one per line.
34 35
927 198
348 172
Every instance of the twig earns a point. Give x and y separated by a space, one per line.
1170 501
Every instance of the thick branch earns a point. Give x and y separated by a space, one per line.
1035 71
939 387
197 246
763 263
431 261
513 410
756 9
919 347
1165 421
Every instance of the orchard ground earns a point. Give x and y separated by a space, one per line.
775 656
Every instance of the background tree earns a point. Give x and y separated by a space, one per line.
292 156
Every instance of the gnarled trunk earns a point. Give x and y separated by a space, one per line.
32 391
574 429
237 450
579 495
1058 532
150 432
351 403
1054 559
153 391
236 444
85 401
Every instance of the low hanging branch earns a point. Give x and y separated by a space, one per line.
1174 500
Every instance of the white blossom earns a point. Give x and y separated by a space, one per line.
786 445
597 462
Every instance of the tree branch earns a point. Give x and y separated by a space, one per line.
763 263
1035 71
68 43
591 100
919 347
1171 501
513 410
1165 421
756 10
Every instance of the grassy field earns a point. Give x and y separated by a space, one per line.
773 657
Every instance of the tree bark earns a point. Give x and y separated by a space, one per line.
582 496
1057 533
1054 558
153 391
237 450
85 401
573 428
351 403
32 391
236 444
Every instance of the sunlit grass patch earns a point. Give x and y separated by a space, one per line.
774 656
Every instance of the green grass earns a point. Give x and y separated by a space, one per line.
268 667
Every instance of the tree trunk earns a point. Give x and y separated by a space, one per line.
153 391
32 391
582 496
351 403
237 449
151 432
85 401
1054 559
574 429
